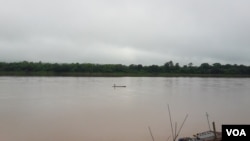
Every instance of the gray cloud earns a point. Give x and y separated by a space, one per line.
126 32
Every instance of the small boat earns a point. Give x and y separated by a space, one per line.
118 86
204 136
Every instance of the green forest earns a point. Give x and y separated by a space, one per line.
88 69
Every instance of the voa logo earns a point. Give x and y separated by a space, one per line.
236 132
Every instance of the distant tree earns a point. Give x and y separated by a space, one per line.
176 68
168 66
132 68
205 68
217 69
139 67
154 69
135 68
190 64
120 68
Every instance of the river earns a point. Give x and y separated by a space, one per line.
90 109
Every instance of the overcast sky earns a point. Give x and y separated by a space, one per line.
125 31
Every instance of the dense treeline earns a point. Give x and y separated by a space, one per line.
87 68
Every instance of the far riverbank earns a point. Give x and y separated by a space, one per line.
78 74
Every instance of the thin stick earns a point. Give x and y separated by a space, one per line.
168 138
175 132
151 133
215 135
171 123
208 121
181 126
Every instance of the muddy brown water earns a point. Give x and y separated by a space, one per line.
90 109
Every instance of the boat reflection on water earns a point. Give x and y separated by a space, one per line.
118 86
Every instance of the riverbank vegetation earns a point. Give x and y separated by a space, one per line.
170 68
